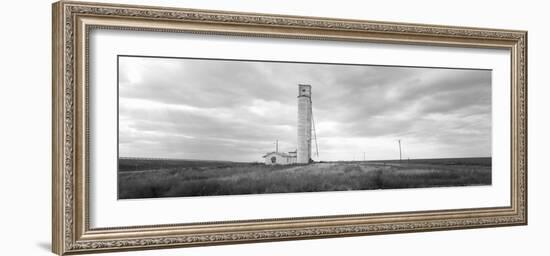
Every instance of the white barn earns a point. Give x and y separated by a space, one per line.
276 158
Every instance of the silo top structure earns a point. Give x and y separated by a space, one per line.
304 124
304 90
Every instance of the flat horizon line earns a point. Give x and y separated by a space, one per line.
377 160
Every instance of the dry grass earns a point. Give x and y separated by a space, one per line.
194 179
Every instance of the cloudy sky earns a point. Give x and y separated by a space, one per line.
235 110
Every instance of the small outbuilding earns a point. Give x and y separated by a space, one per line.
275 158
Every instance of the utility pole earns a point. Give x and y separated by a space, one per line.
277 146
399 141
364 158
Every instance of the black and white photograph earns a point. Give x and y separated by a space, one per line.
208 127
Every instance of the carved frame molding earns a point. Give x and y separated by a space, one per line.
72 22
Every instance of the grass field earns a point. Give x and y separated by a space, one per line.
147 178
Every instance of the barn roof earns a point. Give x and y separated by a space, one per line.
278 153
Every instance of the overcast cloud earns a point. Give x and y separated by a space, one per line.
235 110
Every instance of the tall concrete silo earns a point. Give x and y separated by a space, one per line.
304 124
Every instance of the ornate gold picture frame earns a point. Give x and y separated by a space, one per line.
72 24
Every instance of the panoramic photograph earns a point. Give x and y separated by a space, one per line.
213 127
